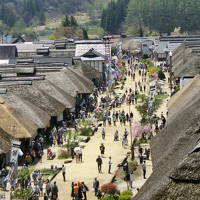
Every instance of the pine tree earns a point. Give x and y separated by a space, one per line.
66 21
73 21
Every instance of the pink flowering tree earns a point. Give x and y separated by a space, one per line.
139 130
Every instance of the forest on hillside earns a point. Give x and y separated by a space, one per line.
162 16
15 14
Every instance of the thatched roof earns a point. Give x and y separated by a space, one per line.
191 66
38 98
5 141
27 109
63 82
86 71
82 84
48 88
176 172
14 123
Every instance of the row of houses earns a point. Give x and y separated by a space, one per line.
41 83
176 149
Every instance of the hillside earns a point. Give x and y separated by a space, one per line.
139 17
35 12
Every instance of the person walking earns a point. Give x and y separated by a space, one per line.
80 155
131 179
102 150
116 136
96 186
72 191
99 163
54 192
103 134
63 172
48 188
109 165
84 190
144 168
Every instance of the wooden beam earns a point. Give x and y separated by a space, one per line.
31 78
9 83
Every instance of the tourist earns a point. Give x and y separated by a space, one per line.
103 133
54 192
46 196
99 163
109 165
131 179
102 149
80 195
96 186
76 191
114 119
48 188
63 172
116 136
84 190
117 116
144 168
40 184
36 190
72 191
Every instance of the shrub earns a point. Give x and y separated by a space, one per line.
133 165
124 197
127 192
63 154
109 198
86 131
109 188
161 75
141 141
24 174
22 193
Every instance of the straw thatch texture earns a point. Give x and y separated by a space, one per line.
37 97
84 85
87 71
5 141
175 170
27 109
48 88
63 82
14 123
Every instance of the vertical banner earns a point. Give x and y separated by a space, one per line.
15 152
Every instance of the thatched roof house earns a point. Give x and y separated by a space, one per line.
38 98
15 124
49 89
175 151
5 142
83 84
27 109
86 71
186 60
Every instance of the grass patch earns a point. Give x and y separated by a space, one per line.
47 171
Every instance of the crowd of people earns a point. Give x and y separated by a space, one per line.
115 117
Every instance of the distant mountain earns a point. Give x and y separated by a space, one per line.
34 12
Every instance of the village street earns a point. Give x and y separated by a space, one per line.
87 170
